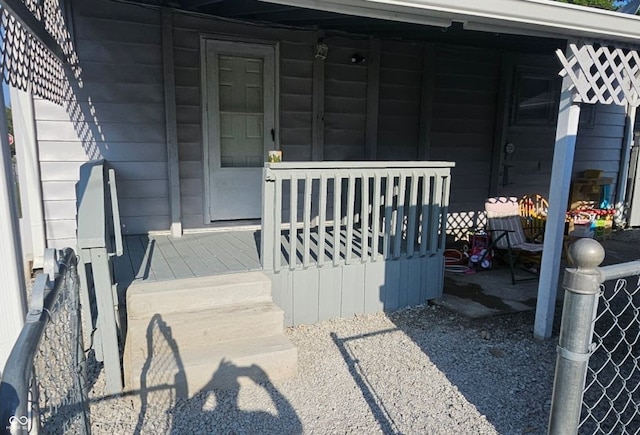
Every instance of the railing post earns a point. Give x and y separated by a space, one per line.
95 243
267 236
582 287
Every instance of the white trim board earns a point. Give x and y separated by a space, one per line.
545 18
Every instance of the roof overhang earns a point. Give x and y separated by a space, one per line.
544 18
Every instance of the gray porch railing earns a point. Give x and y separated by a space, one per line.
344 212
597 381
44 382
99 239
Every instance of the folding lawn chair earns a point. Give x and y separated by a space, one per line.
505 225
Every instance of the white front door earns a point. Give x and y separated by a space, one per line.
240 117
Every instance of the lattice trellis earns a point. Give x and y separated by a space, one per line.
25 60
603 74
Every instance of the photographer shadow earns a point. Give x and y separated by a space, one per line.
226 416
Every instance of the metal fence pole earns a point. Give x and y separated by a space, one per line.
582 286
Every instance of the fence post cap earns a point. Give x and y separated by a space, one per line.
586 253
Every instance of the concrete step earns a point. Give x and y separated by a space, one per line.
209 326
149 298
220 366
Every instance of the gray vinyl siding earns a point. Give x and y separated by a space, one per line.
400 98
531 160
600 146
345 100
296 102
115 113
462 128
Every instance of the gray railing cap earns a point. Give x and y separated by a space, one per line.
360 165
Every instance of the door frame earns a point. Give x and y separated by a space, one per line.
204 109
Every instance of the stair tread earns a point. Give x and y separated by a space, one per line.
233 279
248 347
235 309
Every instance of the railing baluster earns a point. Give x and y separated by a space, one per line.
388 212
435 213
443 211
306 234
293 222
400 217
375 219
337 201
412 213
277 223
424 233
322 218
351 192
364 218
115 212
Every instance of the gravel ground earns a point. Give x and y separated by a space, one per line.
415 371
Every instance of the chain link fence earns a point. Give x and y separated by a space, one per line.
611 401
44 388
597 383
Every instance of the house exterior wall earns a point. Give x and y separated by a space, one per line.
295 101
464 116
599 143
444 95
598 146
115 111
345 100
401 75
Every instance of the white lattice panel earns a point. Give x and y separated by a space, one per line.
603 74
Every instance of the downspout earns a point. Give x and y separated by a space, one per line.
625 157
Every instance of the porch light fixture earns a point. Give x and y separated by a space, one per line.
321 50
357 58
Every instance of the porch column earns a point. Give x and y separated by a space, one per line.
566 132
173 162
29 170
12 291
625 157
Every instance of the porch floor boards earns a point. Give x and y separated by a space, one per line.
162 257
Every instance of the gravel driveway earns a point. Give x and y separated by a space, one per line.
415 371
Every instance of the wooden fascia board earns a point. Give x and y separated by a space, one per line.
531 17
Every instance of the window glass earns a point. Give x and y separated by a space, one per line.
535 100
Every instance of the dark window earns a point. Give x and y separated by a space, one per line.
587 115
535 98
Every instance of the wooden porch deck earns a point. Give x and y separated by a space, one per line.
162 257
148 258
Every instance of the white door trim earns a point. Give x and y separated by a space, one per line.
227 44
